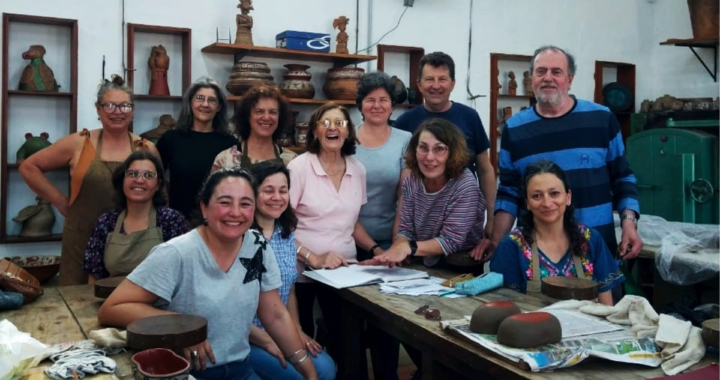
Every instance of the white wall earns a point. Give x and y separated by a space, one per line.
609 30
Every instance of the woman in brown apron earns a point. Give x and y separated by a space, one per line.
549 242
92 156
123 237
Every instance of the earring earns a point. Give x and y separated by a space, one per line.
568 204
205 221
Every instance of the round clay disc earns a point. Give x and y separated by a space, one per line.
529 330
710 330
105 286
487 317
174 332
569 288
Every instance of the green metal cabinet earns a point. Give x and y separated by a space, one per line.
677 174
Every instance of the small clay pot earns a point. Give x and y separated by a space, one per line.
43 268
710 332
296 83
303 129
341 83
529 330
159 364
487 318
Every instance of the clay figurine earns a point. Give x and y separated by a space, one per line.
32 145
505 116
527 83
244 23
37 220
159 62
512 84
166 123
645 106
37 76
399 90
340 23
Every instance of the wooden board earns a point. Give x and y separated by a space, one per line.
174 331
569 288
104 287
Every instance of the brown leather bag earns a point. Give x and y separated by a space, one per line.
13 278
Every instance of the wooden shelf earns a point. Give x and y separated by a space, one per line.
406 105
240 51
235 98
41 93
157 97
691 42
20 239
296 149
519 97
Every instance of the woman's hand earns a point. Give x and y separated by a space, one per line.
274 350
392 257
199 355
313 347
63 207
330 260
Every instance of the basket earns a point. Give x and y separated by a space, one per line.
15 279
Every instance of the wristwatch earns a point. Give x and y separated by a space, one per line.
629 217
413 247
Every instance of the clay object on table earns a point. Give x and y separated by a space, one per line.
43 268
709 332
486 318
37 76
527 83
105 286
32 145
175 332
340 23
512 84
37 220
159 363
341 83
296 83
244 22
569 288
399 90
159 63
166 123
529 330
645 106
245 75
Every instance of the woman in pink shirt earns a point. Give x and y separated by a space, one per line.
328 188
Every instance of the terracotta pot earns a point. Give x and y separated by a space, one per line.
704 18
297 82
341 83
245 75
159 363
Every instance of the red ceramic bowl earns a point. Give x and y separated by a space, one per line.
159 364
43 268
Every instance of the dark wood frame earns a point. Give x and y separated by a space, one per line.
625 76
6 93
416 53
495 59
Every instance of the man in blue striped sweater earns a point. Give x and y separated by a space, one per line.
584 139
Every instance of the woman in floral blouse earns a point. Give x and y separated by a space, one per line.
549 242
124 237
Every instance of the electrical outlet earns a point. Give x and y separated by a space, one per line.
409 3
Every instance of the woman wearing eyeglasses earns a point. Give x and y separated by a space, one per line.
123 237
188 151
327 193
259 118
92 157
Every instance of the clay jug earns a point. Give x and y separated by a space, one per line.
400 93
296 83
245 75
341 83
37 220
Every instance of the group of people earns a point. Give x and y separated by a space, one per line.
376 193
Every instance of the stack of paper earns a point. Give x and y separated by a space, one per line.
419 287
356 275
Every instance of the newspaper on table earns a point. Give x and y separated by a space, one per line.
430 286
583 336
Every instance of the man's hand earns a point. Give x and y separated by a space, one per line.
483 251
631 244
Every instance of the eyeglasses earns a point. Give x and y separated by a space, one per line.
337 123
147 174
438 150
111 107
200 99
430 314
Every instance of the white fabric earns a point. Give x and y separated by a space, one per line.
109 337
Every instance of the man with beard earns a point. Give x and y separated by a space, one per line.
584 139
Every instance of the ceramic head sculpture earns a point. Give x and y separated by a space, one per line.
37 76
244 21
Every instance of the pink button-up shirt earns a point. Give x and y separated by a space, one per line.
326 217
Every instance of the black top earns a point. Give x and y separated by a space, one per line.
188 157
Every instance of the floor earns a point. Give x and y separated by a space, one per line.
405 366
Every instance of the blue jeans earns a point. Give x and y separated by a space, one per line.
237 370
268 367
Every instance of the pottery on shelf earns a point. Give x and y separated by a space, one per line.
159 63
166 123
296 83
32 145
399 90
37 76
303 129
245 75
37 220
341 83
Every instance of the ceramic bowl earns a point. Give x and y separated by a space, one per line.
41 267
159 364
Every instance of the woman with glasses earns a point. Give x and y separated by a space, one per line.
259 118
442 210
188 151
327 193
92 157
123 237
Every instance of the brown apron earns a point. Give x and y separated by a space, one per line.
125 252
93 200
246 163
534 284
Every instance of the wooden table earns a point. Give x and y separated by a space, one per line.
448 357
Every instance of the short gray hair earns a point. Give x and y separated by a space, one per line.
116 82
572 68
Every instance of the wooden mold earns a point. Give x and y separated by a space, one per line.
569 288
174 332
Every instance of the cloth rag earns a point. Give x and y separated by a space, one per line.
109 337
84 357
681 343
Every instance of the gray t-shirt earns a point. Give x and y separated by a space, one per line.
186 277
383 165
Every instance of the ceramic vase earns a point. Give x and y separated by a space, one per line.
303 129
296 83
341 83
245 75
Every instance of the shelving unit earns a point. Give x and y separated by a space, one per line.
693 43
177 42
499 99
240 51
33 111
624 74
415 54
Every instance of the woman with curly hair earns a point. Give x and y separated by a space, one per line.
549 242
